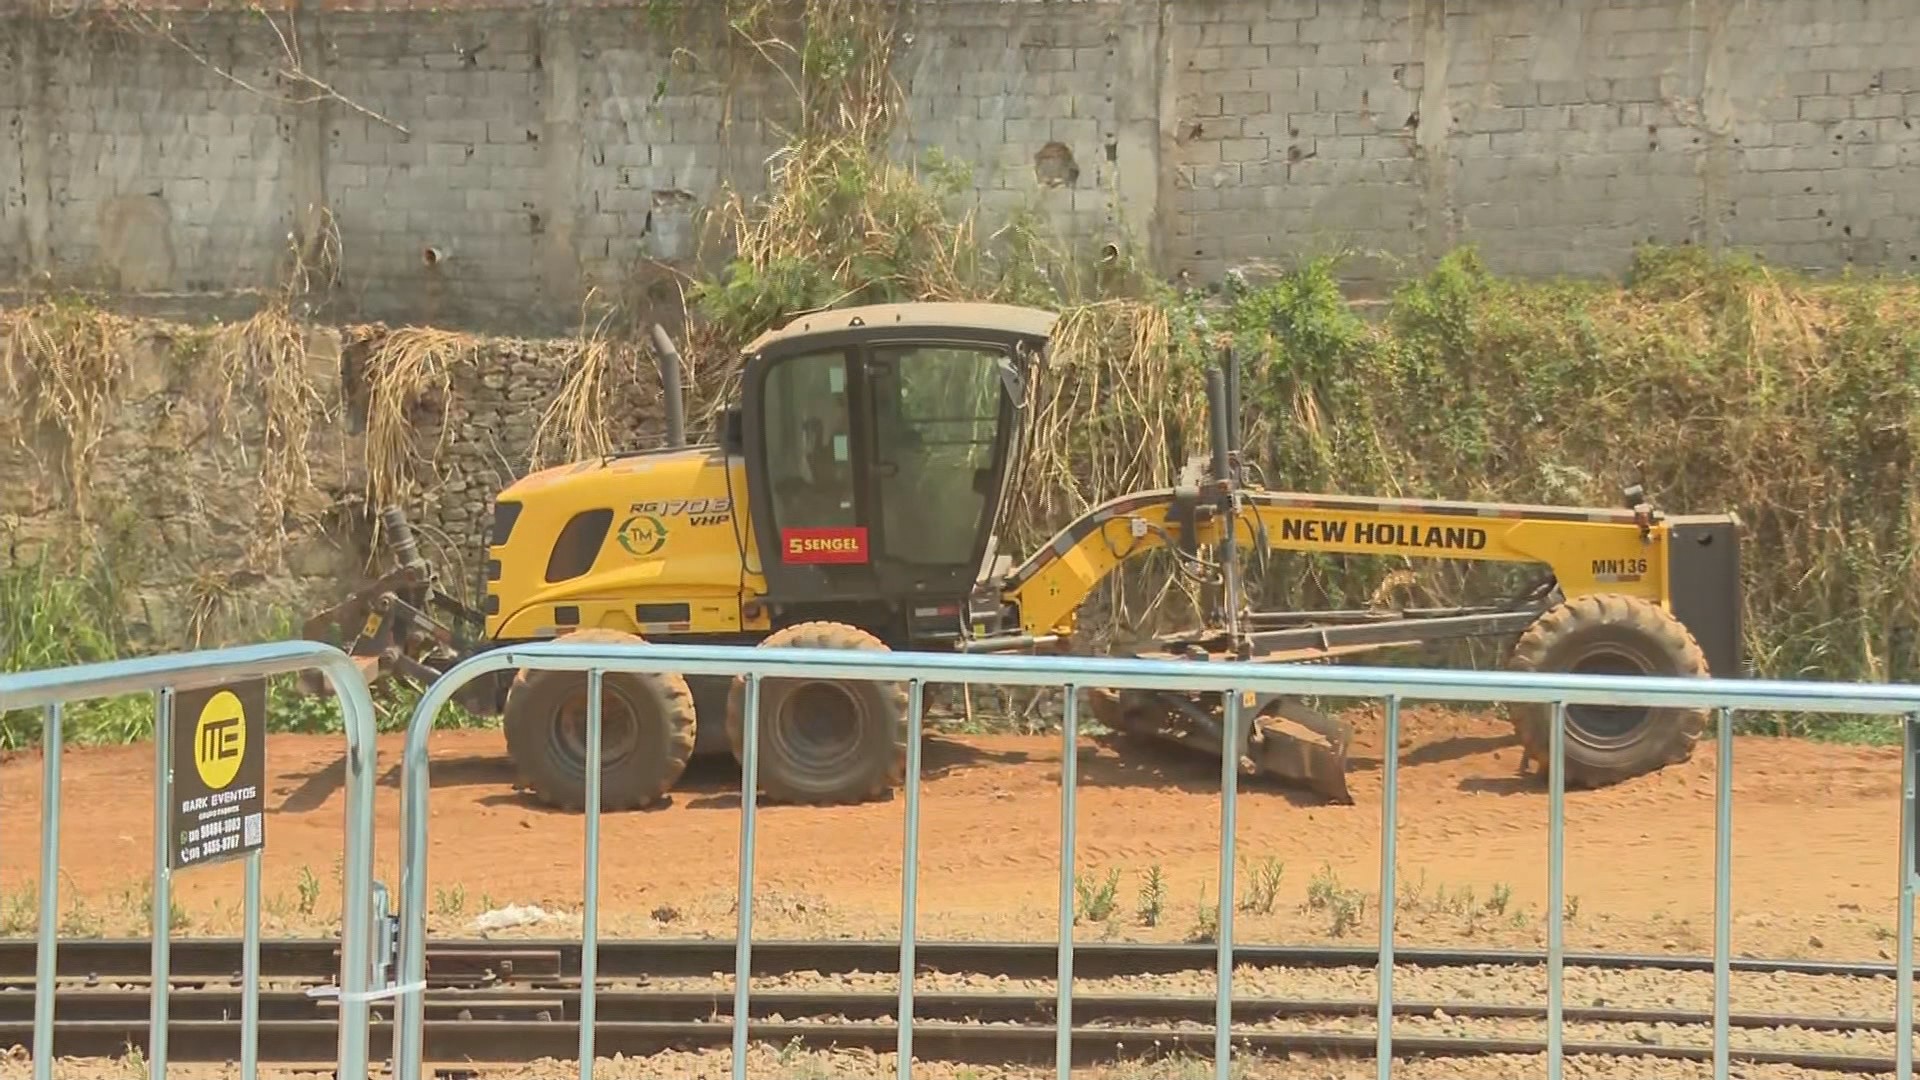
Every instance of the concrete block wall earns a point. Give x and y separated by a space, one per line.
554 150
1554 135
128 166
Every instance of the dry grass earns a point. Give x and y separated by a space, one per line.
406 369
63 363
1100 413
265 359
575 425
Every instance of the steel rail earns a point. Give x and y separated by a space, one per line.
467 960
472 1042
560 1004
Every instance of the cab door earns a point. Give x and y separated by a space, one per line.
941 415
817 525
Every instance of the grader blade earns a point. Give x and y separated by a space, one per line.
1303 746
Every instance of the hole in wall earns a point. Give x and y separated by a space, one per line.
1054 166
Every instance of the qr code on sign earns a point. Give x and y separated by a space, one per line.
251 828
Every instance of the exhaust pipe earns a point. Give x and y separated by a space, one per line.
670 387
400 537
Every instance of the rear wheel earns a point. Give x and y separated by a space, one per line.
647 728
1610 635
824 740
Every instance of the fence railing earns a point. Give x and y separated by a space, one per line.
1393 686
165 676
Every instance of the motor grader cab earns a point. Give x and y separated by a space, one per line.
851 500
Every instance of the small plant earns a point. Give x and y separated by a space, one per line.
665 913
1153 897
1206 921
1502 896
1572 908
1265 888
79 920
18 913
450 902
1097 902
140 905
309 889
1409 897
1343 906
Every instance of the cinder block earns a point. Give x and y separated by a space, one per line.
451 156
1245 104
1232 150
1276 79
1227 33
1272 30
1879 106
1200 152
1874 156
1492 120
1310 124
1222 128
1293 56
1825 107
1323 79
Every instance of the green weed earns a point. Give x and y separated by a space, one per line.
1205 927
1264 888
19 912
80 920
308 887
1343 906
1152 903
1096 901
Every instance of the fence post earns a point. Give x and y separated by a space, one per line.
1069 820
1556 885
743 933
1389 885
1722 891
45 968
909 880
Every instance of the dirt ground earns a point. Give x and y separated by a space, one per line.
1815 848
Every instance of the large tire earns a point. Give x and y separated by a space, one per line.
863 753
647 728
1610 635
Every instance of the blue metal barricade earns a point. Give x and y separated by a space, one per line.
165 676
1391 685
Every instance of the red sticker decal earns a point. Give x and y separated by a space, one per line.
824 545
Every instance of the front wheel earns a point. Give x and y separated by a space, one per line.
1610 635
646 733
824 740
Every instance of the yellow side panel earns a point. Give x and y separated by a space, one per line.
680 535
1585 556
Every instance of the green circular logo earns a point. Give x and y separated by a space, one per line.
642 534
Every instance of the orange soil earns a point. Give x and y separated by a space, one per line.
1815 839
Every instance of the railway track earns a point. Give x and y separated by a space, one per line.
512 1002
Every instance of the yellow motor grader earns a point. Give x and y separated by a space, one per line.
852 500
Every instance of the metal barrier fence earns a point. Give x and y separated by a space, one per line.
166 676
1391 685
